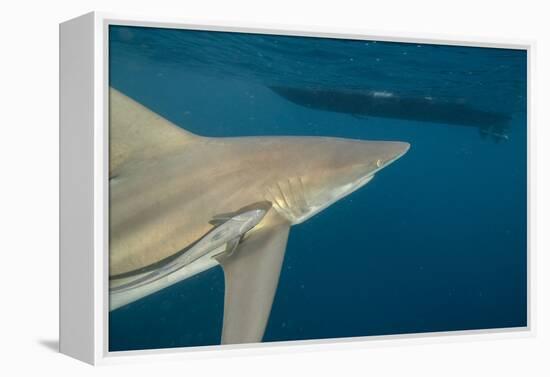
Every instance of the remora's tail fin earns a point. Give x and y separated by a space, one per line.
137 133
251 278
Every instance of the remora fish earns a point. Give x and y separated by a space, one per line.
226 236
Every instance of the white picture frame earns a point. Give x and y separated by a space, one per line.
84 190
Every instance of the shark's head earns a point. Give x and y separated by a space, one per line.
326 170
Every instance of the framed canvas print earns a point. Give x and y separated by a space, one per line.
229 189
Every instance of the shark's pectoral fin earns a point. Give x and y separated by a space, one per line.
251 277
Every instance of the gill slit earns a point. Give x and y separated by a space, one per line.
296 206
306 205
283 196
273 198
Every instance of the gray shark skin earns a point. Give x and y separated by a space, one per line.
170 188
394 106
228 234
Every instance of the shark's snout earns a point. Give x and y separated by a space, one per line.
365 158
329 169
394 150
401 148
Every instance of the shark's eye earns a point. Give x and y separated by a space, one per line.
379 163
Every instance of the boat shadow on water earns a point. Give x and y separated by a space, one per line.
384 104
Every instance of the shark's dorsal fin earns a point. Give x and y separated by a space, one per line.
137 133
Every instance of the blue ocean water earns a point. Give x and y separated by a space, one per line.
436 242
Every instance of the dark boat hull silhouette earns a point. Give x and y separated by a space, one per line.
390 105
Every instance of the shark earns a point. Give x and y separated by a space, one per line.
181 203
